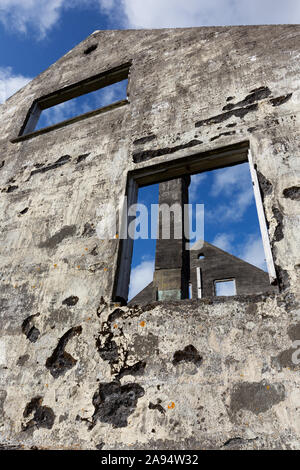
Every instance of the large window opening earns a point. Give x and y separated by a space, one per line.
230 254
94 95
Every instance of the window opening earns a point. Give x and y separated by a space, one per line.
97 93
185 266
225 287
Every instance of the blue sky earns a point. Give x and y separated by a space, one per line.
36 33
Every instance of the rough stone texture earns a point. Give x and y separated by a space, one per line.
180 82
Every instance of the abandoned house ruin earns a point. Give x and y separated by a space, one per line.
200 268
178 367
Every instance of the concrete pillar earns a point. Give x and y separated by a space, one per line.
171 275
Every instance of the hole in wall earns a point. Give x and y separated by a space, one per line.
24 211
90 49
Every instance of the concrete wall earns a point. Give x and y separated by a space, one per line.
171 275
188 374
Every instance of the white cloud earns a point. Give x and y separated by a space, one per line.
111 94
140 277
228 180
180 13
10 83
58 113
108 5
235 208
253 252
40 14
234 185
196 181
224 241
43 15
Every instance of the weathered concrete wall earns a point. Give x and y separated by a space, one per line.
203 373
172 260
187 375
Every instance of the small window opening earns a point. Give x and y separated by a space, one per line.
102 92
227 256
82 104
225 287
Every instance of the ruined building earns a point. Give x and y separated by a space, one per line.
78 367
181 272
